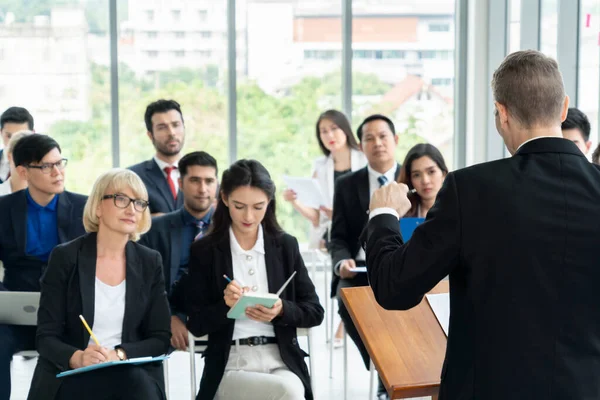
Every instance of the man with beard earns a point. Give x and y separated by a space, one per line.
172 234
166 130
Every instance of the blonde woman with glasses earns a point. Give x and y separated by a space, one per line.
118 287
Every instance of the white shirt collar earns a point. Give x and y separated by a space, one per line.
4 156
259 246
162 165
390 174
532 139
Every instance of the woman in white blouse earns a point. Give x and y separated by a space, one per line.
14 183
118 286
341 155
256 357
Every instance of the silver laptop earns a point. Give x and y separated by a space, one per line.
19 308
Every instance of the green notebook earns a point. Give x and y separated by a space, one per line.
249 299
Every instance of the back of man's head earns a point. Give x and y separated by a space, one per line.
577 120
32 148
530 86
17 115
160 106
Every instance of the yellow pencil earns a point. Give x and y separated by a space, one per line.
89 329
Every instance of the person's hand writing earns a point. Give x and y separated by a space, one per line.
232 293
179 337
345 269
394 195
289 195
261 313
93 354
112 355
328 211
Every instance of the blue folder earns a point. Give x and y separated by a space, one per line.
408 226
132 361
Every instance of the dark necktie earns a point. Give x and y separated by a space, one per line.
382 180
200 226
170 181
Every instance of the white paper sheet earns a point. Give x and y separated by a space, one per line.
358 269
307 190
440 304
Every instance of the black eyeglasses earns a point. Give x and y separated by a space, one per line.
46 168
122 201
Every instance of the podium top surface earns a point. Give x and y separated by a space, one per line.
407 347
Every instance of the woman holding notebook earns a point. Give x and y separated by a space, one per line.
424 170
117 287
257 355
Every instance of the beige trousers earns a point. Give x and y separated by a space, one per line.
258 373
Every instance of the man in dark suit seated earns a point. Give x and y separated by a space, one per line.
34 221
577 129
172 234
166 130
13 120
519 238
353 192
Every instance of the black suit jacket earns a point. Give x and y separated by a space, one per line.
165 237
519 238
200 294
159 194
68 288
350 216
23 272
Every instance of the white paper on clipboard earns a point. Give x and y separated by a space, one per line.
307 190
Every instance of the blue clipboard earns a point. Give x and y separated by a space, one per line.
408 226
132 361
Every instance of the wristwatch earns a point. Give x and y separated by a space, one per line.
121 353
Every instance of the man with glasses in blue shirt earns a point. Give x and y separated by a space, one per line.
34 221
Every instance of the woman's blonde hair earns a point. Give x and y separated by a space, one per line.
15 138
116 179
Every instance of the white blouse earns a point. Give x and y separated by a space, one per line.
250 269
109 310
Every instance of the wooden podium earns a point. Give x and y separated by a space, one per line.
406 347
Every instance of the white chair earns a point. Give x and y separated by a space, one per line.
304 332
196 344
371 372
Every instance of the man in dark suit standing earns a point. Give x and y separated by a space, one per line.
34 221
519 238
13 120
166 130
172 234
378 141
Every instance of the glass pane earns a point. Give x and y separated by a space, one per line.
589 64
290 72
514 26
403 67
549 27
51 60
174 50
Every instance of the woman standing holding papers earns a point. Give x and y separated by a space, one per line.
256 357
424 170
341 155
117 285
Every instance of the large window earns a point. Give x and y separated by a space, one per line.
589 64
414 83
293 73
52 54
181 56
549 27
